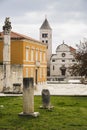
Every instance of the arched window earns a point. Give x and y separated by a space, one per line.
53 67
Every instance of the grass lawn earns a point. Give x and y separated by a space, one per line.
69 113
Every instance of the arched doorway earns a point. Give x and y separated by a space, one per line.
63 70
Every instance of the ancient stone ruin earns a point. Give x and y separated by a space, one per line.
46 99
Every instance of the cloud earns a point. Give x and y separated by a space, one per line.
67 18
59 10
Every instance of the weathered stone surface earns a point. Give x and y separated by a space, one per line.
17 88
46 99
7 27
28 95
16 77
6 55
28 98
28 82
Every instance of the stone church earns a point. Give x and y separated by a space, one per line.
57 64
64 58
46 37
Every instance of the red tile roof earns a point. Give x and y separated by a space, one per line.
72 49
15 35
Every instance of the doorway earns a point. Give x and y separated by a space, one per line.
36 78
63 70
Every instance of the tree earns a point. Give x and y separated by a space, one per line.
81 56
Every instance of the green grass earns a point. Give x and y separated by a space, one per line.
69 113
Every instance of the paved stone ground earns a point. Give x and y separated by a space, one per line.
63 89
58 89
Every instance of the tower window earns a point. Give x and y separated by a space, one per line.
44 35
46 41
43 41
53 60
27 53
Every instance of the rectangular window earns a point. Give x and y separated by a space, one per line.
73 60
44 55
44 72
27 72
53 67
43 41
63 60
36 55
40 72
44 35
32 72
27 54
40 56
32 55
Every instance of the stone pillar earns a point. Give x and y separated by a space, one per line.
6 55
28 98
46 99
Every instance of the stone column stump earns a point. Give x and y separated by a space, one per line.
28 98
46 99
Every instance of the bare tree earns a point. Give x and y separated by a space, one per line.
81 56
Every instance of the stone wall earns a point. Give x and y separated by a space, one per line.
16 75
63 58
1 77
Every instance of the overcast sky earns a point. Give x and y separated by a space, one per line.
67 18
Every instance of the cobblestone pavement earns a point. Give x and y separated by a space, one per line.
58 89
63 89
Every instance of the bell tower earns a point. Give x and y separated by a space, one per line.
46 37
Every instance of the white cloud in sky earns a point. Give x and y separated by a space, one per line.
67 18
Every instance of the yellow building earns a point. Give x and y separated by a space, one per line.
28 53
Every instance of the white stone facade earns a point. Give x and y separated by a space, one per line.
46 37
63 59
15 77
48 41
